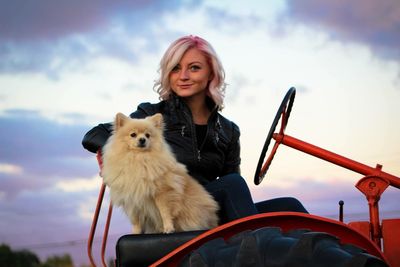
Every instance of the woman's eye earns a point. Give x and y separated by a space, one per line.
176 68
133 135
194 67
147 135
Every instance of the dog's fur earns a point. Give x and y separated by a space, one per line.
145 179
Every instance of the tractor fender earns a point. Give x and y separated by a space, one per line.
306 228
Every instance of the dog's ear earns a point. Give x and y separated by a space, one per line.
120 120
157 119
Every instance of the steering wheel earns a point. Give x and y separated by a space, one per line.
283 113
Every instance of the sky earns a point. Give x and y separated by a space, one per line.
66 66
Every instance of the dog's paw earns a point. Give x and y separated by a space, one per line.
136 229
168 229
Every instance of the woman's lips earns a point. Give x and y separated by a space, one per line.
185 86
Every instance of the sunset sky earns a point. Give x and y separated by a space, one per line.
66 66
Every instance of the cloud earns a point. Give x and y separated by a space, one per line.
224 20
373 23
37 152
24 20
10 169
53 210
45 57
29 132
78 185
13 185
85 209
49 37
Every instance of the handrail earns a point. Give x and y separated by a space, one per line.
95 220
105 235
94 224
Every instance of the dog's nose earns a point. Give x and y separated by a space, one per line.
142 141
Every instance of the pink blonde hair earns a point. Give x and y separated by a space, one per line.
172 56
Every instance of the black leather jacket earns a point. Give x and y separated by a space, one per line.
218 155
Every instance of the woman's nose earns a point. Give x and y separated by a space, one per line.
184 75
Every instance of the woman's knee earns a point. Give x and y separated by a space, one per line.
281 204
233 179
295 204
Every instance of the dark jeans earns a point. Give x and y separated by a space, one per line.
235 201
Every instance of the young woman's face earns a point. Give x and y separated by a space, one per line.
190 77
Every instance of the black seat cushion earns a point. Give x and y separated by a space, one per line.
144 249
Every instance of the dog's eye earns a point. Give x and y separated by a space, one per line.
147 135
133 135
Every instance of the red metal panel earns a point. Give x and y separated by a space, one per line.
391 241
362 227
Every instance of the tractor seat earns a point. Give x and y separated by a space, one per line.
145 249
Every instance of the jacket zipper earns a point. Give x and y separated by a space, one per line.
198 149
195 145
202 144
198 155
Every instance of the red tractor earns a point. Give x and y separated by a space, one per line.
274 238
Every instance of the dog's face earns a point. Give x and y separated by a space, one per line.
139 134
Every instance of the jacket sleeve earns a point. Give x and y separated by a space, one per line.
232 161
143 110
97 137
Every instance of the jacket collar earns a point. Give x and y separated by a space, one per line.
177 103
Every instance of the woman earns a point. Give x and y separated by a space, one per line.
191 88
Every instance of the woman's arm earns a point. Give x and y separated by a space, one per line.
232 161
97 137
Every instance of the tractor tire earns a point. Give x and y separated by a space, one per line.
268 246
